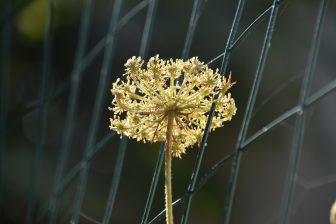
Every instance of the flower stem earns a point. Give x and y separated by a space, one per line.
168 184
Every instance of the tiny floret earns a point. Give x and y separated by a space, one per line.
184 89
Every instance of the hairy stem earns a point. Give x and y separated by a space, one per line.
168 184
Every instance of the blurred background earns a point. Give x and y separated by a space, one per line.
262 174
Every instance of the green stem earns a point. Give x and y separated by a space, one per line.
168 184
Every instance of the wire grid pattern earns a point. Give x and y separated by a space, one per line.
62 180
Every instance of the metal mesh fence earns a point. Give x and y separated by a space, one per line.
94 145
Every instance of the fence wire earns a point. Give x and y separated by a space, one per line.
84 58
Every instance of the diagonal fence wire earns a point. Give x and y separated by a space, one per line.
320 94
146 36
250 105
73 173
327 89
300 116
200 154
218 165
98 105
185 53
76 78
88 58
86 61
243 35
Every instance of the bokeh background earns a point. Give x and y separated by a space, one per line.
262 175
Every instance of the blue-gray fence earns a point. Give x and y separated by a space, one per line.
93 145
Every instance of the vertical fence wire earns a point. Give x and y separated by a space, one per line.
195 14
250 105
115 180
5 55
146 36
197 166
154 183
41 113
98 106
301 115
76 78
148 29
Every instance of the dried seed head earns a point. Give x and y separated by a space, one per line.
142 102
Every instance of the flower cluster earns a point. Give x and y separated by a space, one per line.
183 89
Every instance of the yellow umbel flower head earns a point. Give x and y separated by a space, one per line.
183 89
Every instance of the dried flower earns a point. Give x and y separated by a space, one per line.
142 103
333 213
169 101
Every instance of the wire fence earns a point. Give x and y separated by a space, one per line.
94 146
